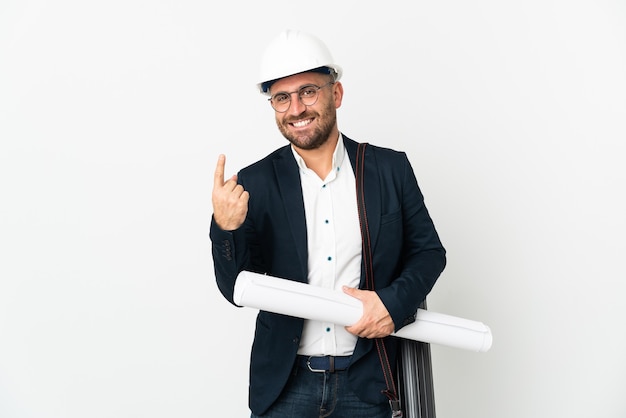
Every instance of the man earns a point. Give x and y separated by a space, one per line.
294 215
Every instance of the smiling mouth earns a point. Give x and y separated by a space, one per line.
301 123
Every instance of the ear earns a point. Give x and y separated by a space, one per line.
338 93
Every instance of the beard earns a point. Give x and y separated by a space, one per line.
325 123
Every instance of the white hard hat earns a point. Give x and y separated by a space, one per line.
294 52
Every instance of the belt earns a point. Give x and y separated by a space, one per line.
323 364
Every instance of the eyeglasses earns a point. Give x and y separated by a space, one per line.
307 95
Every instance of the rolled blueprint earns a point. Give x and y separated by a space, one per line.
287 297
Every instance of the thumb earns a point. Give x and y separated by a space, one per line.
351 291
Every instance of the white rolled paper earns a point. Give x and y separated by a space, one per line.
287 297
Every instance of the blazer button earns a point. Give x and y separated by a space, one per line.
227 252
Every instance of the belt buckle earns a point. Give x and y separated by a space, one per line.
332 365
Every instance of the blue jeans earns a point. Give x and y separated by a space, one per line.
322 394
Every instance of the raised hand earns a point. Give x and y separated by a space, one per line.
230 200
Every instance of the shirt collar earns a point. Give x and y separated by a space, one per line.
338 156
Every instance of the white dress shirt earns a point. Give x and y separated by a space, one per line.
334 246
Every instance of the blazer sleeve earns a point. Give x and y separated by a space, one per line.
422 257
230 255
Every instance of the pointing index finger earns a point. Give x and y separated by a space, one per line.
218 178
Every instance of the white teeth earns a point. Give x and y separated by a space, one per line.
301 123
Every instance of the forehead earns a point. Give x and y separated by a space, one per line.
294 82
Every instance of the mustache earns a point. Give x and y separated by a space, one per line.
305 115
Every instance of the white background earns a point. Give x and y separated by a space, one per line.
112 115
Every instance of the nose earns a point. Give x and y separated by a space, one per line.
296 107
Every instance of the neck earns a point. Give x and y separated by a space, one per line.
320 160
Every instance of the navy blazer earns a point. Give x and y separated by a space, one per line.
408 257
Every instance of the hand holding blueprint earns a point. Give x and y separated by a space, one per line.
302 300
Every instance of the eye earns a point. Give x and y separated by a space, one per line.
308 91
280 98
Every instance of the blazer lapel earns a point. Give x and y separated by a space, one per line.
288 178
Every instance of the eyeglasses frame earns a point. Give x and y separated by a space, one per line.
289 93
